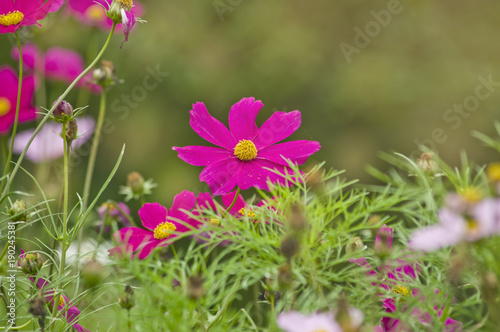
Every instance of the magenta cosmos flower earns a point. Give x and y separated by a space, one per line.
17 13
58 64
48 143
397 279
8 99
294 321
477 221
162 226
94 13
245 151
68 310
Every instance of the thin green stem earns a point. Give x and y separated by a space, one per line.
234 200
92 158
49 113
16 118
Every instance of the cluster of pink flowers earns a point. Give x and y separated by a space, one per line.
397 279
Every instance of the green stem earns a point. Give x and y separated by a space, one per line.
5 148
49 113
16 119
234 200
92 158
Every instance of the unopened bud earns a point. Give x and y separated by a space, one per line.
18 211
290 247
427 163
135 182
126 301
315 181
115 10
105 74
71 131
37 309
63 111
195 287
355 245
31 263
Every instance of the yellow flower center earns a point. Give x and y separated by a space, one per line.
214 221
471 194
401 290
4 106
11 18
126 4
95 13
493 172
164 230
472 227
247 212
245 150
62 303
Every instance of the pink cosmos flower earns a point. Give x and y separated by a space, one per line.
48 144
58 64
477 221
294 321
245 151
70 311
162 226
8 99
17 13
93 13
108 211
397 280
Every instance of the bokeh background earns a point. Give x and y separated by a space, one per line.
390 92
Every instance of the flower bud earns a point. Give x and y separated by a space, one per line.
18 211
63 110
195 287
105 74
135 182
285 276
427 164
126 301
37 309
290 246
31 263
297 220
355 245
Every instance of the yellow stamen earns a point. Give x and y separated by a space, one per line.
247 212
95 13
245 150
62 303
401 290
493 172
126 4
11 18
214 221
472 227
471 194
164 230
4 106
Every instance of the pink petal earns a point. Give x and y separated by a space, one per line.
228 198
364 264
146 251
128 22
186 200
278 127
296 151
242 118
384 238
152 214
210 128
63 64
205 201
255 173
221 176
32 58
202 155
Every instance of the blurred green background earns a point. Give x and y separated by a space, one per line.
393 90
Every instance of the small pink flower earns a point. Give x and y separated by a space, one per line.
17 13
162 226
396 280
93 13
477 221
48 143
8 99
245 152
294 321
70 311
